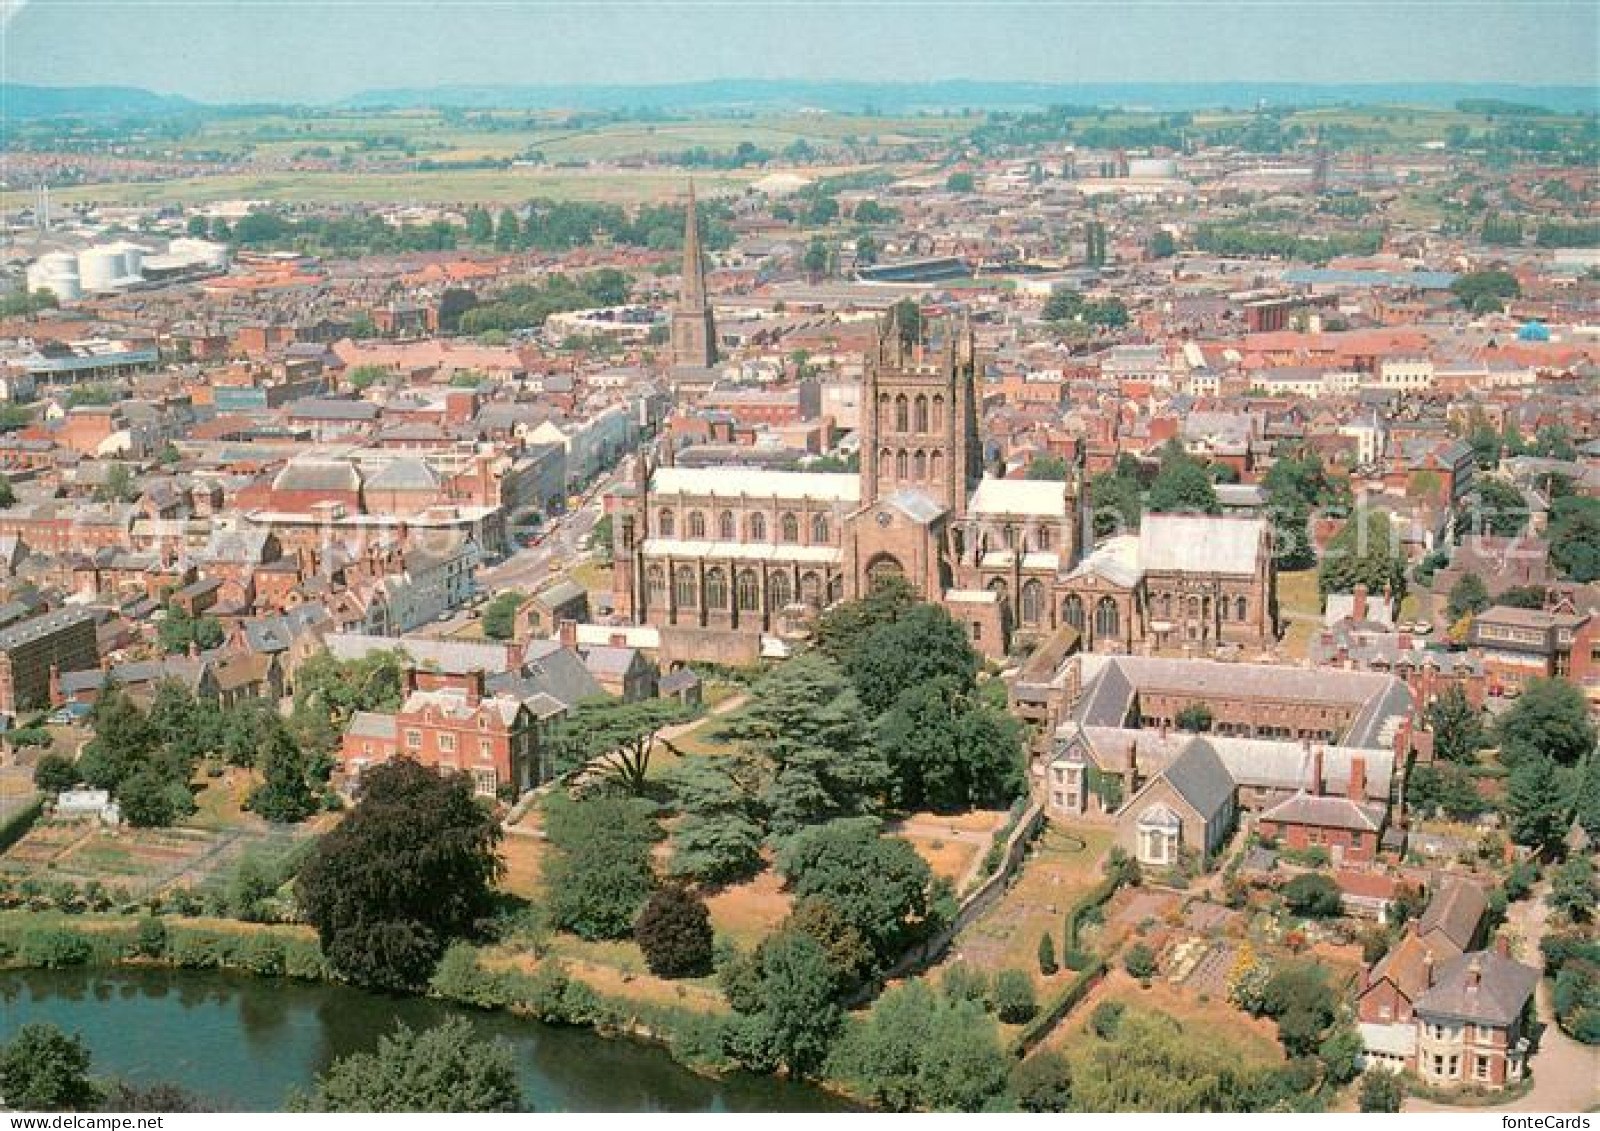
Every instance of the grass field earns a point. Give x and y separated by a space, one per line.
1253 1040
1061 867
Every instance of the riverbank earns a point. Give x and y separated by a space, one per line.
547 995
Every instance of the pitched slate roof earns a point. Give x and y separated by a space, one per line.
1481 987
1200 778
1200 543
1456 911
1326 812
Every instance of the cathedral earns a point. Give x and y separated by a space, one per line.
727 562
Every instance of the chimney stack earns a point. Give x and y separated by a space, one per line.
1502 946
1358 603
1475 973
1427 967
567 630
1358 778
474 687
1316 771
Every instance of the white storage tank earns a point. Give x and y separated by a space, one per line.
1153 168
58 274
100 268
132 258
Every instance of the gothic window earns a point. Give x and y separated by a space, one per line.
936 465
726 530
922 413
1032 602
1107 620
1241 609
788 528
902 469
835 589
664 524
819 529
1072 611
1045 538
998 587
811 588
1010 535
885 462
1166 606
902 414
716 588
938 412
656 584
883 411
697 524
683 587
758 528
919 465
749 591
882 566
779 591
1194 608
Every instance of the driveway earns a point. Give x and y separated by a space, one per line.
1566 1074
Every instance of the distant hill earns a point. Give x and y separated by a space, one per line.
955 94
21 101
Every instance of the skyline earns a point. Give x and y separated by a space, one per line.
303 56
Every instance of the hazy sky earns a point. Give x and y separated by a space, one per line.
225 50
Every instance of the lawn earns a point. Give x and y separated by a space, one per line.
748 912
951 844
1254 1040
1059 869
1297 593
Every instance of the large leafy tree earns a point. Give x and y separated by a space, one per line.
718 837
923 644
1456 724
949 750
806 743
920 1050
1549 718
674 932
1534 804
44 1069
841 629
1574 534
285 793
878 884
786 1000
598 869
1182 485
448 1068
1366 552
412 868
617 737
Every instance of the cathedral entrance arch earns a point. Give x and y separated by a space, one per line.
883 566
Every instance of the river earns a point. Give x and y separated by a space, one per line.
243 1042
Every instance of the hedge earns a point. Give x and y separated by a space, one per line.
16 826
1063 1004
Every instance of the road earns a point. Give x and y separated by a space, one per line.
529 567
1566 1074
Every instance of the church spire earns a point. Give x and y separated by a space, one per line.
694 264
693 329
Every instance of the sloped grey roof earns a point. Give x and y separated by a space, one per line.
1480 987
372 724
404 475
1328 812
1200 778
915 504
1456 910
308 474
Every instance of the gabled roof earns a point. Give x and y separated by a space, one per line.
1482 987
1455 911
1200 544
1200 778
1326 812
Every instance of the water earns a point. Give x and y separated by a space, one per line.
243 1042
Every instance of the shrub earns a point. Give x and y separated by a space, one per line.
54 947
1381 1091
1047 954
674 932
303 959
1106 1019
55 772
1140 962
1043 1083
262 954
150 938
1014 1000
460 977
965 982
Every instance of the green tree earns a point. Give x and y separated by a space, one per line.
1500 509
1043 1083
674 932
411 868
1484 292
499 615
922 1050
1313 894
1140 961
949 750
790 1015
718 837
1182 485
1574 535
844 627
1550 718
1047 954
921 645
1117 502
119 486
615 737
507 232
818 258
960 182
1048 467
1456 724
1162 245
55 772
1014 999
805 744
1444 786
448 1068
1588 797
1534 804
44 1069
284 794
480 226
1366 552
1195 718
1468 597
878 884
1572 889
597 869
362 377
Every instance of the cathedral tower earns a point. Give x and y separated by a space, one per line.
919 413
694 332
